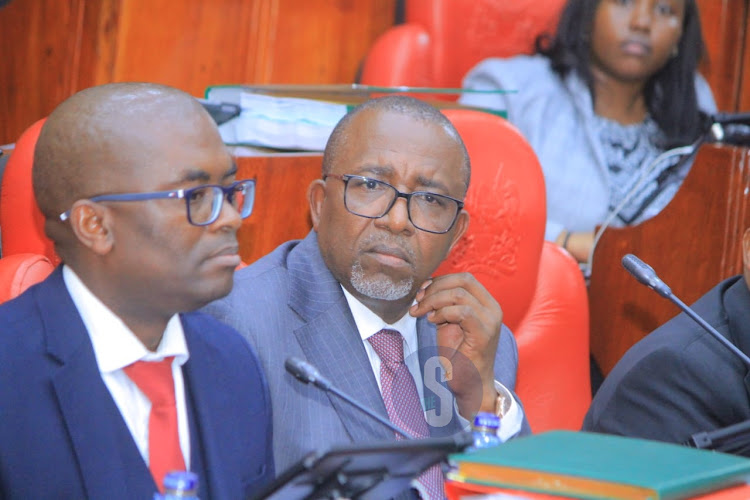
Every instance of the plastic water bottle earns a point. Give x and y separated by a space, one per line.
485 430
179 485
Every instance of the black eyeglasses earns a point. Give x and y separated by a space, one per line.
203 202
371 198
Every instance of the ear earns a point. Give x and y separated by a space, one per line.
316 195
91 223
462 224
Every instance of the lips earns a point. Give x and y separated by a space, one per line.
228 255
636 47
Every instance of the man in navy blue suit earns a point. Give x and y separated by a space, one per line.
140 199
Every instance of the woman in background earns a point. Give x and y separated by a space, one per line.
614 88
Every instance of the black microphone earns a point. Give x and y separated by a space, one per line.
736 134
731 118
307 373
647 276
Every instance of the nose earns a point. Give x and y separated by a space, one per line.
396 220
641 15
229 217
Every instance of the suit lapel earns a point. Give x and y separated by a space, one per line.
99 436
201 381
330 341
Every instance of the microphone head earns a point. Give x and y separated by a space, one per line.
305 372
645 274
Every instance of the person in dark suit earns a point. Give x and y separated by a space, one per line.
679 380
385 214
139 197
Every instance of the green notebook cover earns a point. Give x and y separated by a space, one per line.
588 465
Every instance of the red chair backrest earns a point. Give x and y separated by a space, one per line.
19 271
506 205
21 220
442 39
538 285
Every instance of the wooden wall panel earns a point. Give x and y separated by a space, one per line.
53 48
334 44
744 98
38 50
281 211
702 246
723 24
188 44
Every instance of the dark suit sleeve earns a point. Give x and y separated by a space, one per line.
666 395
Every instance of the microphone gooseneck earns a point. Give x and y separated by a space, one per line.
308 374
646 275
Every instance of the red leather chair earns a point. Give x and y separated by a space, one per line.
538 285
20 271
442 39
21 221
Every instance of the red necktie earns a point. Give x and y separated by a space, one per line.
402 400
154 379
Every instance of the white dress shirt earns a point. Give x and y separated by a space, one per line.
115 347
369 323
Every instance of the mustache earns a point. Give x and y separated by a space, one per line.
385 240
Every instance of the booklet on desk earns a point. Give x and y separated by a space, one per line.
598 466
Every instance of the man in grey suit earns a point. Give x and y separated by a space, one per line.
367 267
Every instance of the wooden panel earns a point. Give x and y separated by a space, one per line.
98 47
744 99
692 244
38 50
723 24
53 48
333 44
194 43
188 44
281 211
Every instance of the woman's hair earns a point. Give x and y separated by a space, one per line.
670 93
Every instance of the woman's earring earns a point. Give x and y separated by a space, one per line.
675 51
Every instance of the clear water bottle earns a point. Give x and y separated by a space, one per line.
485 430
179 485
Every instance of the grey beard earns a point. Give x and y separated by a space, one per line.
381 288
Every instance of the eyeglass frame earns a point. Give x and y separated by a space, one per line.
176 194
345 178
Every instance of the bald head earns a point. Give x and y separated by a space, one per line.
404 105
101 138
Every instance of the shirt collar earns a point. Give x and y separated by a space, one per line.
115 345
368 323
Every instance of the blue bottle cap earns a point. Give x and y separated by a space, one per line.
181 481
486 419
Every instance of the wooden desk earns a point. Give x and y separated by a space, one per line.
281 211
694 243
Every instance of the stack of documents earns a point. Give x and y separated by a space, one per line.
598 466
301 117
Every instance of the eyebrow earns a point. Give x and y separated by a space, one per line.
194 175
422 181
432 183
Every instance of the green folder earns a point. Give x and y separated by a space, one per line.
598 466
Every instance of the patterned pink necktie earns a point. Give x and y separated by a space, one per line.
402 400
